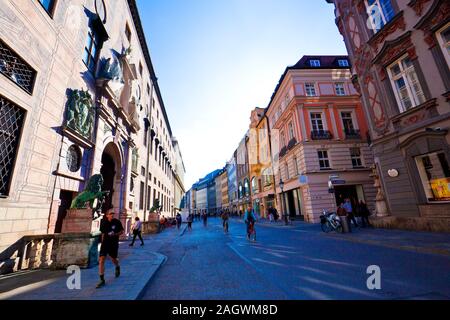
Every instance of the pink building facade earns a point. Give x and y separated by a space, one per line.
400 51
319 134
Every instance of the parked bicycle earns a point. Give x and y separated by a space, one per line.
330 222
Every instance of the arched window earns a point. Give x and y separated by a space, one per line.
246 188
241 193
255 185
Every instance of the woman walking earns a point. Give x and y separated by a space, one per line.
137 231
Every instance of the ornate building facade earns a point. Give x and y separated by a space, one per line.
78 96
400 50
319 138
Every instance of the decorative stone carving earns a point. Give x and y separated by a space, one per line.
380 200
393 49
394 25
418 6
134 160
112 72
80 113
439 12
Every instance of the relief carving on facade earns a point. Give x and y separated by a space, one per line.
393 49
397 24
439 12
112 74
379 118
418 6
425 111
80 113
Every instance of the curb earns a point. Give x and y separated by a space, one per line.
161 260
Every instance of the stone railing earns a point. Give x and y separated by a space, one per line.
55 251
30 252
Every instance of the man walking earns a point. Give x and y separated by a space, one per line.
137 231
179 220
111 230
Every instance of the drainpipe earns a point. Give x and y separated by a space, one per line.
147 171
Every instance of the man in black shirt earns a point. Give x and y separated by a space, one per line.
111 230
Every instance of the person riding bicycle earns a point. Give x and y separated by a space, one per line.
225 217
249 219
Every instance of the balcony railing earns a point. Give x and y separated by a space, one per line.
321 135
292 143
352 134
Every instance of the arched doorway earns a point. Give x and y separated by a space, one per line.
110 171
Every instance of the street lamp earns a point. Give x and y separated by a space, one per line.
283 205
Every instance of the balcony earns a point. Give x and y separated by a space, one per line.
283 151
292 143
321 135
352 134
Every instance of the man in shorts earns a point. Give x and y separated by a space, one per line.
111 230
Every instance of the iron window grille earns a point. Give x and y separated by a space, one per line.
16 69
321 135
11 122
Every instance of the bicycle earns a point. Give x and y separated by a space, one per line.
251 236
225 226
330 222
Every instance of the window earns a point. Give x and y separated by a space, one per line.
283 140
91 50
286 168
316 122
434 172
128 32
141 196
246 188
380 13
340 90
16 69
406 85
347 121
141 69
314 63
343 63
295 166
310 89
355 154
149 194
291 131
240 191
48 5
254 185
324 161
11 123
443 37
143 171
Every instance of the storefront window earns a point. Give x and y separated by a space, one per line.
435 174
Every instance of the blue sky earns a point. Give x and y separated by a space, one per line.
216 60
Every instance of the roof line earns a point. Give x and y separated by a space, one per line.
141 35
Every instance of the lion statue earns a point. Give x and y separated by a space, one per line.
92 192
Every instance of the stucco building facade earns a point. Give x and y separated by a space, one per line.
262 180
319 134
401 58
78 97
